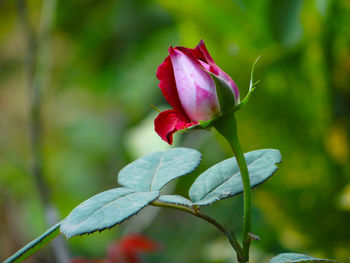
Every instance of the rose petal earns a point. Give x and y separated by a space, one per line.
167 84
139 243
167 123
204 65
202 53
193 84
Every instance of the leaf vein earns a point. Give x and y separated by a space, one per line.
156 171
125 195
229 178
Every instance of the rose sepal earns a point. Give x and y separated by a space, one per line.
201 125
206 124
224 92
252 86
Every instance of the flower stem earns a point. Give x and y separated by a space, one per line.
227 126
196 212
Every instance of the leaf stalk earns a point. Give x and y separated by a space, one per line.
196 212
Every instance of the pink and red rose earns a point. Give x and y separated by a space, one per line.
189 89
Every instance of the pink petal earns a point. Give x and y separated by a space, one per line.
195 87
202 53
204 65
167 85
167 123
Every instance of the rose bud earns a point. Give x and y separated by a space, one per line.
189 80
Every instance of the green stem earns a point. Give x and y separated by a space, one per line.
196 212
35 245
227 126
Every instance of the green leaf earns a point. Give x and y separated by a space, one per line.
300 258
224 180
176 200
153 171
225 94
105 210
35 245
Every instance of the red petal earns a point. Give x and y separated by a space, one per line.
201 52
129 247
139 243
130 258
167 84
167 123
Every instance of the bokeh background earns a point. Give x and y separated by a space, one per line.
87 68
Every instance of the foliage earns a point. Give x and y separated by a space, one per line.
294 257
145 177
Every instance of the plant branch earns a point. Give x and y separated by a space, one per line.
196 212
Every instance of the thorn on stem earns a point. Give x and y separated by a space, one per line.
254 237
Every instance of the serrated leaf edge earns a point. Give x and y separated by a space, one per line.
304 260
118 223
177 203
228 195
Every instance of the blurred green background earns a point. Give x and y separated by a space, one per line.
96 64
